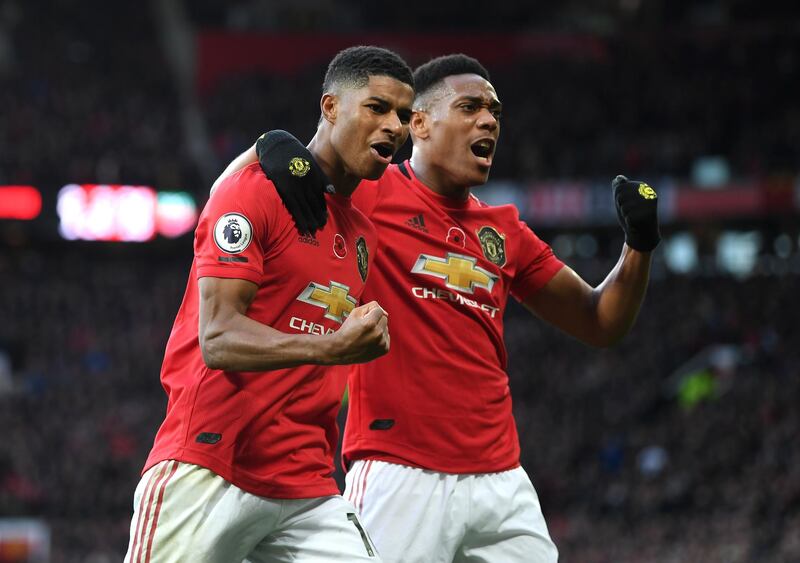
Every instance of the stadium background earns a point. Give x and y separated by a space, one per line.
680 445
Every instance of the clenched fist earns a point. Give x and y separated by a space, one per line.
363 336
637 211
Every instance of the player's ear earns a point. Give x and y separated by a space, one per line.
419 124
329 105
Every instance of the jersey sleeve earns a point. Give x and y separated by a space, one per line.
231 235
537 264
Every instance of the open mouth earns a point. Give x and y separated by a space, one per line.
384 150
483 148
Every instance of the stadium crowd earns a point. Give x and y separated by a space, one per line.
87 99
678 445
651 107
100 104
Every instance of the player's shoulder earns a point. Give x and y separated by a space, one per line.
249 193
247 184
246 178
506 213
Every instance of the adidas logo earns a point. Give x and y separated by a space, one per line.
306 239
418 222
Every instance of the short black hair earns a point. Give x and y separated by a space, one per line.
434 71
354 65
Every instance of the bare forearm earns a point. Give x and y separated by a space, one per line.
619 297
242 344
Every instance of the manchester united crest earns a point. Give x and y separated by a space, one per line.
299 166
647 192
362 256
493 245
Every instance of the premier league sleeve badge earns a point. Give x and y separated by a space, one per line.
233 233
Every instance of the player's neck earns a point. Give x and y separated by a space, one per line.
344 183
436 179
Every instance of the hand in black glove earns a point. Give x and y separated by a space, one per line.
300 181
637 211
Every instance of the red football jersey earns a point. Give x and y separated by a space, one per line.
443 271
271 433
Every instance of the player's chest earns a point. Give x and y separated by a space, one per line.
460 251
339 253
411 228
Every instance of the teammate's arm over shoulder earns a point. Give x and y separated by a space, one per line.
298 179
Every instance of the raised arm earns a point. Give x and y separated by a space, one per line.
231 341
601 316
598 316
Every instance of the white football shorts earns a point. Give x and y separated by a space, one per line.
420 516
186 513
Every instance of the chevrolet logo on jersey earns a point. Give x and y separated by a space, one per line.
335 299
459 272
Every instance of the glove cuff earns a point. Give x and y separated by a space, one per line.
643 241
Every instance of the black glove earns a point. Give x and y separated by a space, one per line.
637 211
300 181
